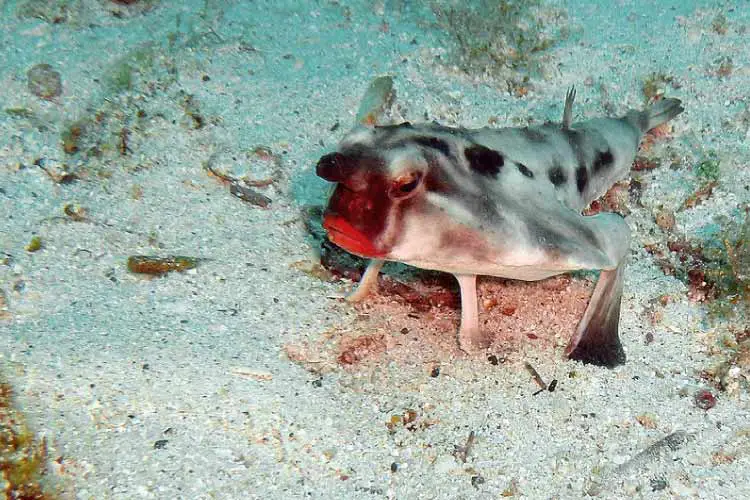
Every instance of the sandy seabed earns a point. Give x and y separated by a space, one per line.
246 377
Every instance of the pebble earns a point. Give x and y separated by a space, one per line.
44 81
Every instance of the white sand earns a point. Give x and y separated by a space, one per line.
106 363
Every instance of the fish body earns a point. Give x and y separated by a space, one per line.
501 202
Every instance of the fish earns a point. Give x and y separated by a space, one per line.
504 202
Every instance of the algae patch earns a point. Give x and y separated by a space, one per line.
22 456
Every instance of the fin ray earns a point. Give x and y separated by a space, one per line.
567 119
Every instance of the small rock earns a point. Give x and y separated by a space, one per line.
44 81
665 219
705 400
658 483
476 481
647 420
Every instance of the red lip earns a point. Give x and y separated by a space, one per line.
351 239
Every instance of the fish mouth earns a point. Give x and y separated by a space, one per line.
344 234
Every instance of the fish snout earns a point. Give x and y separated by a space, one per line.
350 237
335 167
354 221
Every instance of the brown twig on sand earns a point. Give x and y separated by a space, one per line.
243 188
537 378
462 452
249 195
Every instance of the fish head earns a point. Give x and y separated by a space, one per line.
400 195
374 189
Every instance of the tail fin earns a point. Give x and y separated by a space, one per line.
653 116
662 112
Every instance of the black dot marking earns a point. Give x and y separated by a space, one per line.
576 142
557 176
386 132
434 143
603 159
484 160
525 171
582 178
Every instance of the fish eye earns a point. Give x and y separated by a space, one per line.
405 185
409 186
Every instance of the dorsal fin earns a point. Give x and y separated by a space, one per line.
375 107
567 119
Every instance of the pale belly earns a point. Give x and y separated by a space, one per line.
524 273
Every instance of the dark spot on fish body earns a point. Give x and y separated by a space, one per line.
397 126
557 176
603 159
533 135
433 143
387 132
572 135
435 180
582 178
483 160
357 153
576 141
525 170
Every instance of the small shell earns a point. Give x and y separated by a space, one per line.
259 168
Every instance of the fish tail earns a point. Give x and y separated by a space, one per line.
663 111
655 115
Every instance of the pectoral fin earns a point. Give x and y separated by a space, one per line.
470 336
368 283
596 339
604 244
